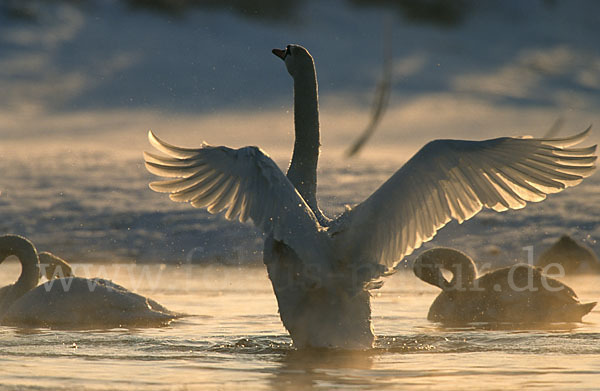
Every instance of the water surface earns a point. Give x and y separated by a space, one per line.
234 340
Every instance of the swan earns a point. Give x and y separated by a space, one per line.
70 302
571 256
513 294
52 266
321 269
23 249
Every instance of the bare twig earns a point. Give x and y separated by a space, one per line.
555 128
382 92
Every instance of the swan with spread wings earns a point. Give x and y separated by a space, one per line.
322 269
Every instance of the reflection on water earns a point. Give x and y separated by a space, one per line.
234 340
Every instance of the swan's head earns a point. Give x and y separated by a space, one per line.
429 264
297 59
572 256
428 269
54 267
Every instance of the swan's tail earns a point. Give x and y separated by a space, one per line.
583 309
157 307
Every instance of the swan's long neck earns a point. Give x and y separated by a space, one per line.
303 167
429 264
27 254
463 270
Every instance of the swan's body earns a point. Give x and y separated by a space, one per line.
86 303
70 302
322 269
573 257
514 294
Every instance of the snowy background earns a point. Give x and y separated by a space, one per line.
83 82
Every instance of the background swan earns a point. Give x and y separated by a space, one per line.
572 256
70 302
23 249
515 294
322 269
52 266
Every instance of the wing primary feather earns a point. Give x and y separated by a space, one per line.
198 189
420 217
414 213
462 199
211 194
236 204
244 212
405 223
579 160
452 197
411 230
181 184
532 152
430 212
534 194
438 209
170 161
484 191
501 203
583 152
172 150
470 200
443 202
570 167
429 221
172 171
550 185
513 199
567 141
438 215
553 172
225 198
577 171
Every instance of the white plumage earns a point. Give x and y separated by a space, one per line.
245 182
454 179
334 263
68 301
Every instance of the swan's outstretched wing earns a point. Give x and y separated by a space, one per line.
454 179
244 181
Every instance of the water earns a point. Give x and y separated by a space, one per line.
234 340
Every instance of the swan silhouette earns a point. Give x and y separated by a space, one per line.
322 269
573 257
70 302
513 294
52 266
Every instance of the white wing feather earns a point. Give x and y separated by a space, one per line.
452 179
248 184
